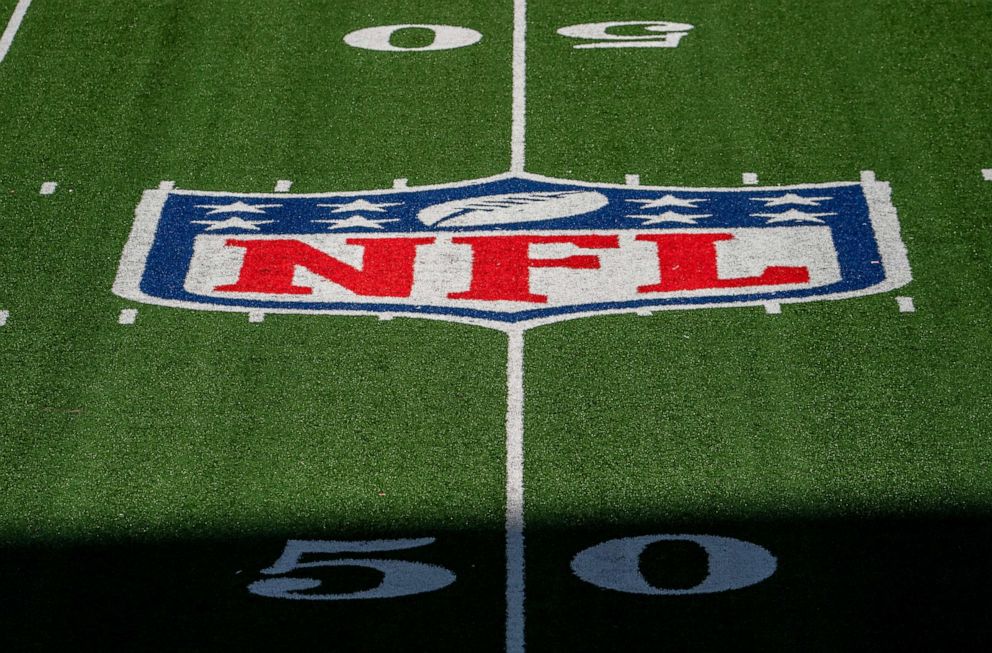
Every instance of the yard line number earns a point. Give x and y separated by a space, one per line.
612 565
615 34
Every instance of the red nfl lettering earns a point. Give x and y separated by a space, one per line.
501 264
269 266
689 262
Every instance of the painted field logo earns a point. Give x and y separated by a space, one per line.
513 250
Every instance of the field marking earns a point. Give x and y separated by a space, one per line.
283 185
515 491
515 582
773 308
402 182
987 174
166 185
632 180
906 304
518 130
48 188
127 316
749 178
4 316
7 39
256 317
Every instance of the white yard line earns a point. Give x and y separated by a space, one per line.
515 583
283 185
4 316
15 24
749 178
518 138
515 492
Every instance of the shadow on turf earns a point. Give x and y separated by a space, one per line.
917 583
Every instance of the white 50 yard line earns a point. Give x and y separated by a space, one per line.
15 23
515 492
518 139
515 584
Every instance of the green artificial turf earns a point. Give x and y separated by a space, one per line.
150 472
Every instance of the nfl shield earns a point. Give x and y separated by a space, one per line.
513 250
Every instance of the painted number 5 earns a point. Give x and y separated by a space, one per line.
399 577
603 35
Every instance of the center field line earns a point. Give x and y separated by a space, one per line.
15 23
515 492
518 142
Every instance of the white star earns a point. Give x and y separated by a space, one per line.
233 223
793 215
360 205
791 198
356 221
237 207
671 216
669 200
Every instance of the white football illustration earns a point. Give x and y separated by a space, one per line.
512 207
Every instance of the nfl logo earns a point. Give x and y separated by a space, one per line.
514 250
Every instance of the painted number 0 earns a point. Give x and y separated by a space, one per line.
446 37
611 565
660 34
616 564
